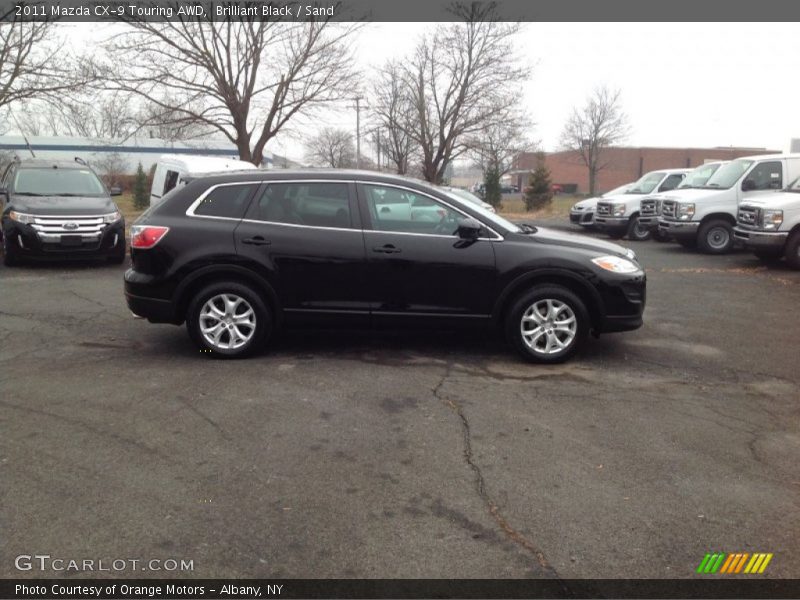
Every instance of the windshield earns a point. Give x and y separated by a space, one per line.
729 174
57 182
468 196
490 217
647 183
620 190
699 176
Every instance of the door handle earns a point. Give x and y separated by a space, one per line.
256 241
387 249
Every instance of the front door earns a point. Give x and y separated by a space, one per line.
418 268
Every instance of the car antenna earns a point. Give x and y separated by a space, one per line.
24 137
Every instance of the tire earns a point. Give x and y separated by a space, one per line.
231 299
792 251
637 233
715 237
660 236
548 301
10 258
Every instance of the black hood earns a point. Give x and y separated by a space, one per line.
561 238
63 205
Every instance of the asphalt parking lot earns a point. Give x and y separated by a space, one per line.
389 455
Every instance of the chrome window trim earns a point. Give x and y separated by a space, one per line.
190 211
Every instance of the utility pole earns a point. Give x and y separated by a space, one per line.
358 132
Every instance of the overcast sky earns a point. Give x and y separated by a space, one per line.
711 84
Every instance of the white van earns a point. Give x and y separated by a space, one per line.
705 217
171 168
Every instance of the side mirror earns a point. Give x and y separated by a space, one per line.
469 229
748 185
116 191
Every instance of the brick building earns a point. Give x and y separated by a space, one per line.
624 164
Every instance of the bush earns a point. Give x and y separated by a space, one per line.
539 193
141 197
491 183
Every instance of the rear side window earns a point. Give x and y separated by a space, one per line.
315 204
226 201
170 181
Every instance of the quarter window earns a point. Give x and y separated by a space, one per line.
226 201
395 209
316 204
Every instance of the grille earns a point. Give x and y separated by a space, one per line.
604 209
649 208
748 216
669 208
89 227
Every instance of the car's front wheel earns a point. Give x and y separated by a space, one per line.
10 258
715 237
638 232
228 320
547 324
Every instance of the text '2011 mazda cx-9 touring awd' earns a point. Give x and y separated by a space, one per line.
237 255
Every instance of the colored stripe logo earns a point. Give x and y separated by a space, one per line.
734 563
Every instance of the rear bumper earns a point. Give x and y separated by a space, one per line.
760 239
679 228
142 304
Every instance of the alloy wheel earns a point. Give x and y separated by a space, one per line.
548 326
227 321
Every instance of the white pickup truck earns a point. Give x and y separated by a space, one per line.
705 217
619 215
582 212
651 205
769 225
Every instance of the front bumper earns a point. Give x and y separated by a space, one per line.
623 304
651 222
612 223
679 228
760 239
27 243
584 218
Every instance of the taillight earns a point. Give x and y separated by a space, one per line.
146 236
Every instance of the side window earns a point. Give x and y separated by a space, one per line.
765 176
170 181
226 201
317 204
671 182
404 211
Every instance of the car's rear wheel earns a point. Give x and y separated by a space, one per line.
228 320
792 251
547 324
636 231
715 237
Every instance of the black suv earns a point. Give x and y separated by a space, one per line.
58 209
236 255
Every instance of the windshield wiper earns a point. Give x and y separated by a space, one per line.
27 194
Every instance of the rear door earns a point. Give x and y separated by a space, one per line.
418 269
306 237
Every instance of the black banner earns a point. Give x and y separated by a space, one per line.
160 589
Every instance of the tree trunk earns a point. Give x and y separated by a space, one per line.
592 180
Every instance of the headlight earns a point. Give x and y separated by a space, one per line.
618 210
685 211
615 264
771 219
112 217
577 208
21 217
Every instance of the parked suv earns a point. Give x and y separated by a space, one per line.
769 225
237 255
58 209
619 215
582 212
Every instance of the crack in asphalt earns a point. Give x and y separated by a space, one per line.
480 484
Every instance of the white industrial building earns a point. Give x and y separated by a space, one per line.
126 154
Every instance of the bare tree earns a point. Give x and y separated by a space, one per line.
98 116
595 126
34 63
497 146
394 113
461 79
332 148
243 77
111 166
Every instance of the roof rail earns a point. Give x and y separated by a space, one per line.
80 161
